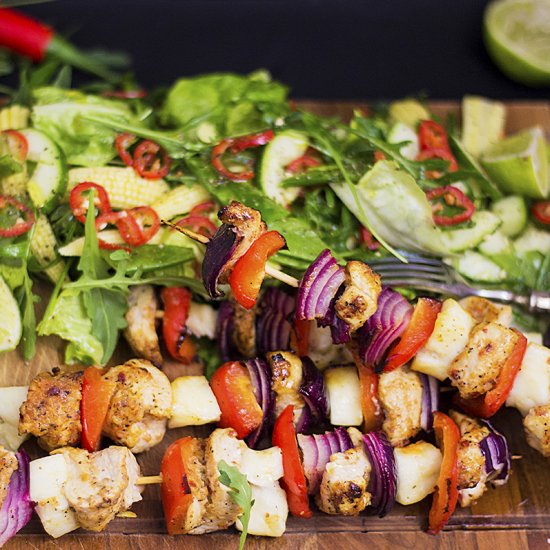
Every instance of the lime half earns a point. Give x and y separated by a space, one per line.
517 36
10 319
519 164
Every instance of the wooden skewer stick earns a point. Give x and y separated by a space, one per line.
270 270
149 480
516 457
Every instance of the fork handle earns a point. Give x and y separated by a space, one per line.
535 302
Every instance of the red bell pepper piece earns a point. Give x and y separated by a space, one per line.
249 271
373 415
416 334
25 217
294 480
176 310
487 405
452 196
446 492
239 407
299 337
175 490
541 211
96 398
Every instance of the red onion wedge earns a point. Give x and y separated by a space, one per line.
339 329
273 324
318 287
313 391
384 327
316 452
224 330
260 376
383 476
430 400
218 252
17 507
498 460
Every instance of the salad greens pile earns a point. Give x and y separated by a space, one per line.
361 188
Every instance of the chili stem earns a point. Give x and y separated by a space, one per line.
149 480
270 270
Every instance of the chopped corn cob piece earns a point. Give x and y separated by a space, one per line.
124 186
16 184
43 247
179 200
14 117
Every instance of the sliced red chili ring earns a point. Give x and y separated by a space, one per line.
151 161
139 225
123 142
79 200
379 155
21 225
125 94
206 206
17 144
252 140
443 154
367 238
307 160
454 197
108 218
198 224
432 135
541 211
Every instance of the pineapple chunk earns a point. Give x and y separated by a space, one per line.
449 337
193 402
11 399
418 468
48 476
532 384
344 396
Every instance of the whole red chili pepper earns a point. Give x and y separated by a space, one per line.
26 36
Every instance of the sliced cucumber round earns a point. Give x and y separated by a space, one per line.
483 223
48 180
10 319
279 153
400 133
533 240
512 211
496 243
477 267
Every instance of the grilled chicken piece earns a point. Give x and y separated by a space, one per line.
141 332
286 369
52 409
100 485
344 484
244 329
360 297
485 311
221 510
8 465
537 429
472 478
140 405
249 225
476 369
400 393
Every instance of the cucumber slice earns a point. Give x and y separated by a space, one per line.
279 153
484 223
533 240
496 243
477 267
399 133
513 213
10 319
48 181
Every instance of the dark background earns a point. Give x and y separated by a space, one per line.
334 49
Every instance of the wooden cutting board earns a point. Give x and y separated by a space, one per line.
514 516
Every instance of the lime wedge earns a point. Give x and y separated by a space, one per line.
517 36
519 164
10 319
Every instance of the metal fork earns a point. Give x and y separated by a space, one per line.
433 275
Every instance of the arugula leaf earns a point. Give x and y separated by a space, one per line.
240 492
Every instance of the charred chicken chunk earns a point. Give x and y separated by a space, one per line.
287 373
52 409
485 311
141 332
537 429
476 369
140 405
400 393
360 297
100 485
244 329
8 465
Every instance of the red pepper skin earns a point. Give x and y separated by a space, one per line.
123 142
453 197
308 160
541 211
176 301
416 334
19 227
446 492
249 271
432 135
294 480
151 161
488 404
373 415
24 35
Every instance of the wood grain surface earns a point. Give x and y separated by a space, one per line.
514 516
